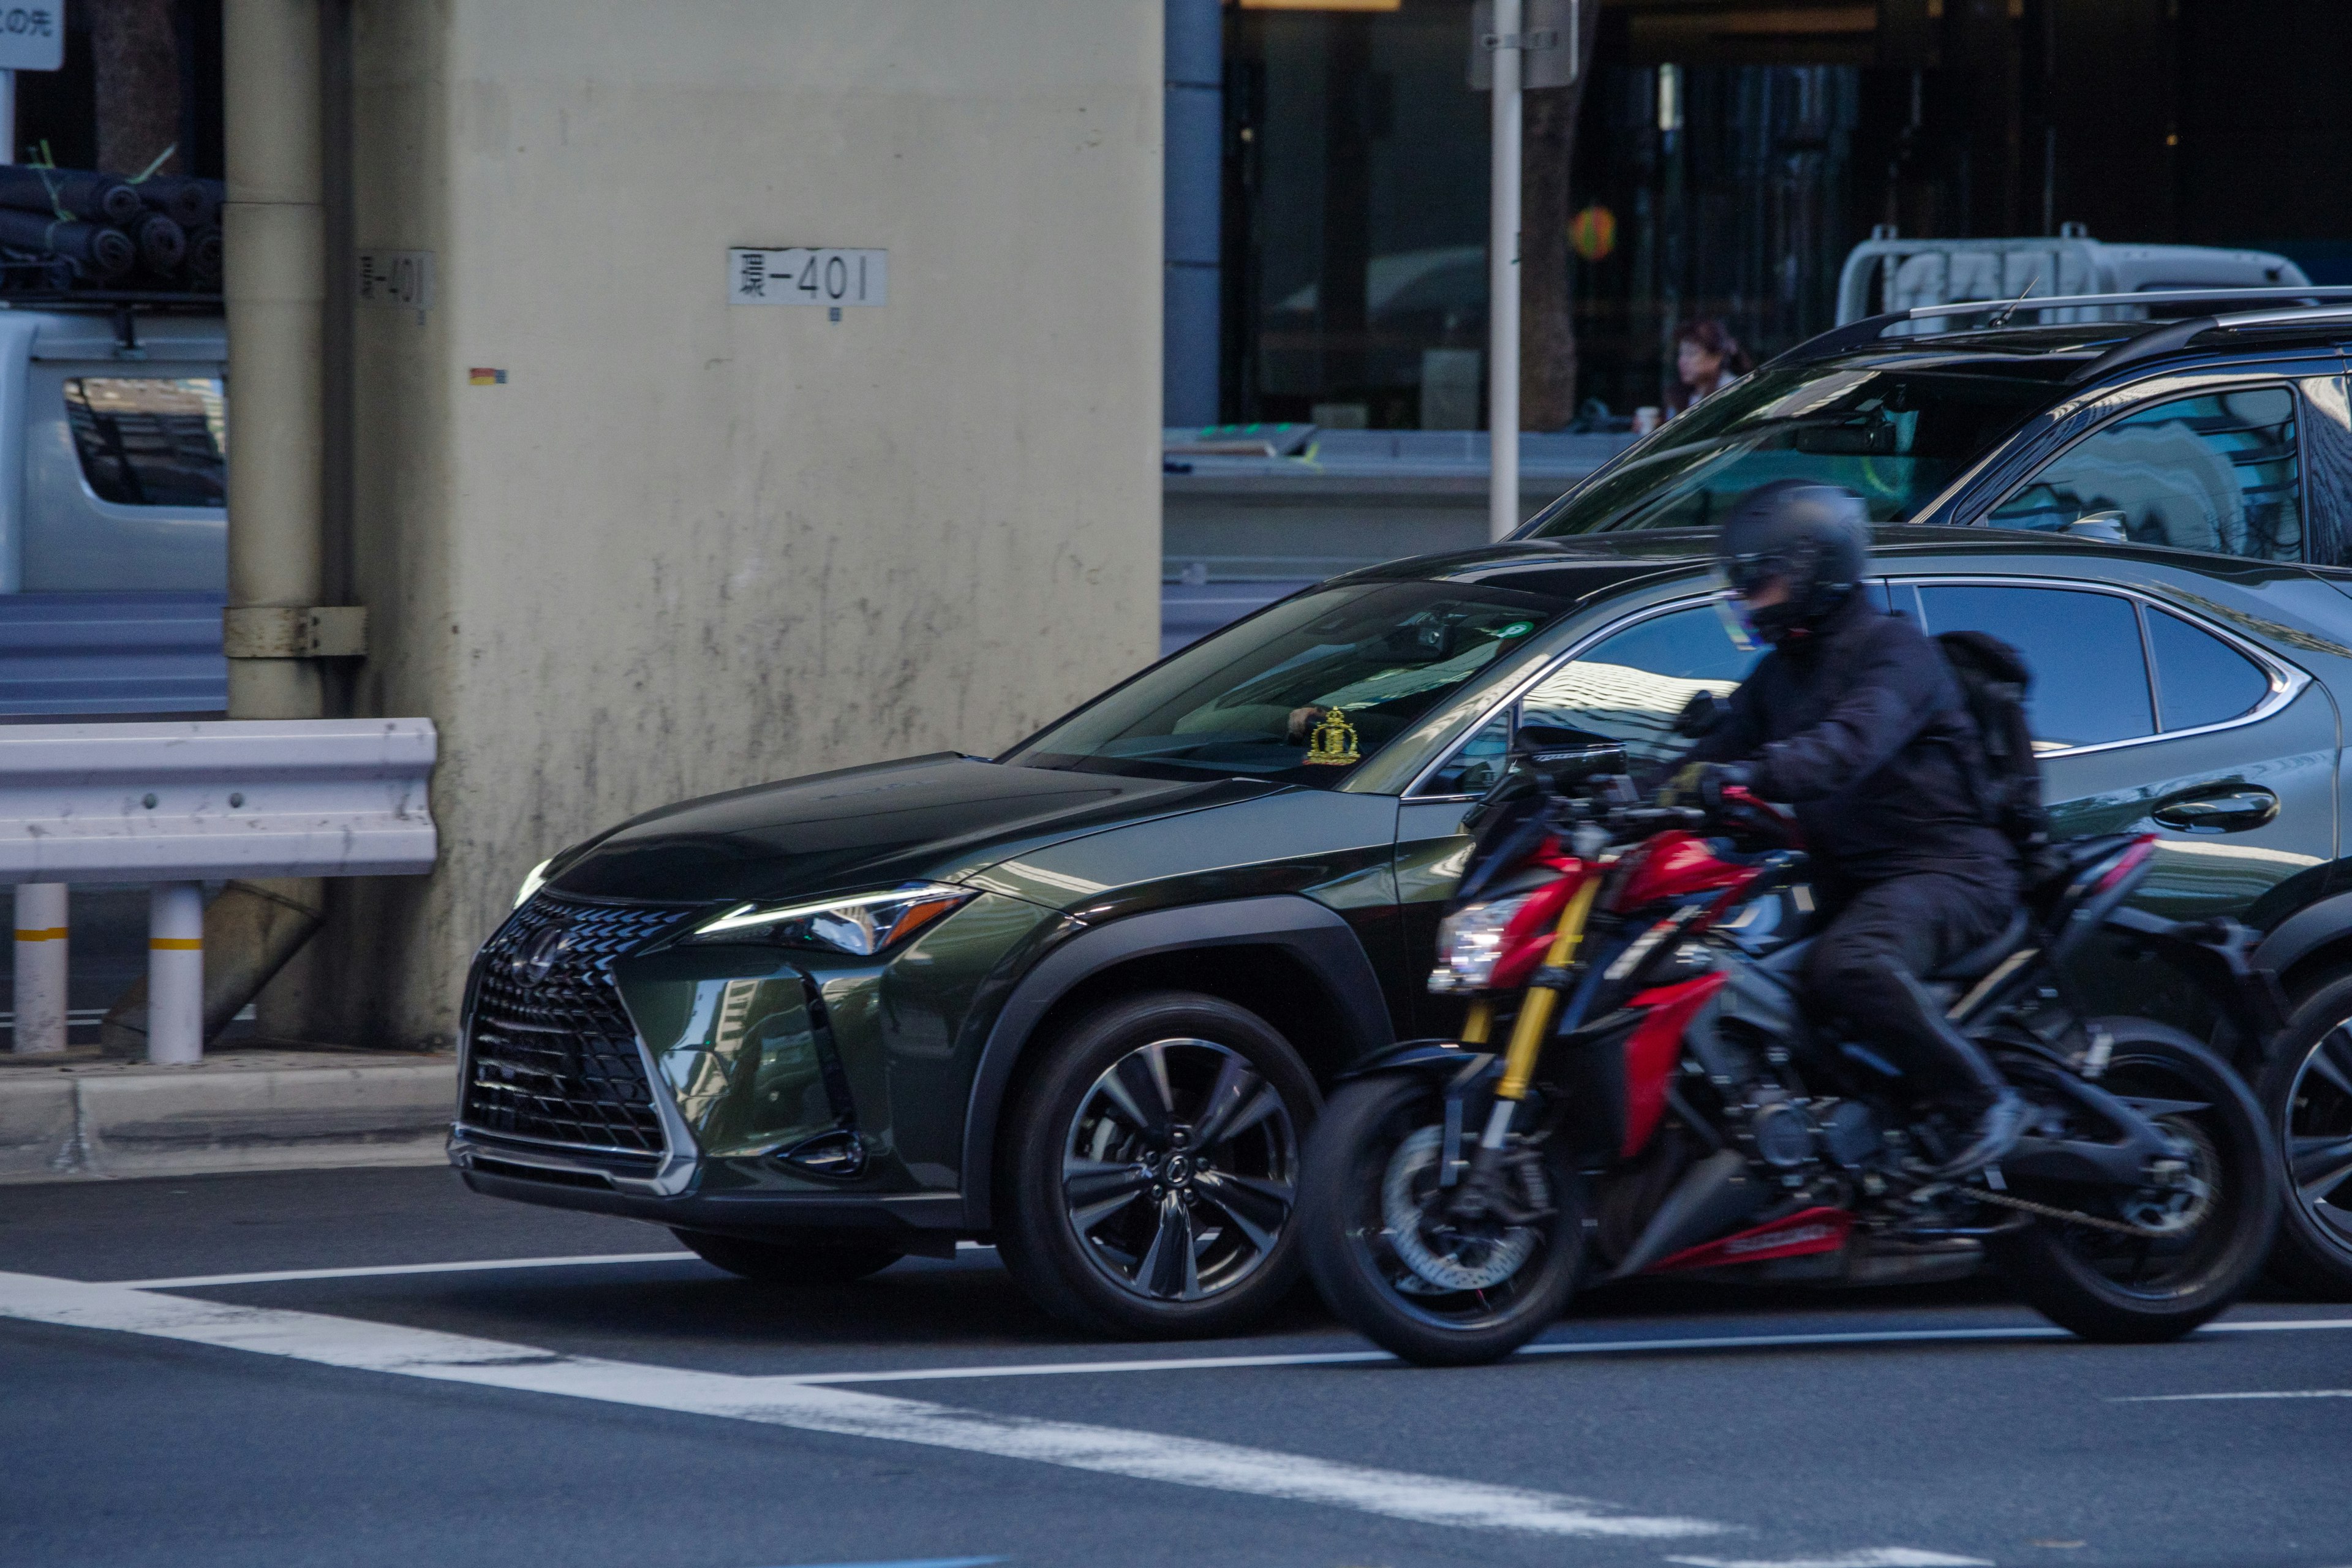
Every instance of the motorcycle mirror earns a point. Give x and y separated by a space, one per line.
1704 713
1563 755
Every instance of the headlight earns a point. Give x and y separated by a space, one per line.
533 882
863 923
1470 943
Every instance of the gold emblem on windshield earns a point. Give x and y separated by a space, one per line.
1333 743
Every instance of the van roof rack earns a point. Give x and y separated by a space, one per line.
1871 329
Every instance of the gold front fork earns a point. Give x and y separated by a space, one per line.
1536 1013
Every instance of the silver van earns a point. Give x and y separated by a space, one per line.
113 513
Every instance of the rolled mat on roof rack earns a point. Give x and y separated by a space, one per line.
96 198
104 252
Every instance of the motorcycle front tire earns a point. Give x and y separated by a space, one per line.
2055 1267
1341 1223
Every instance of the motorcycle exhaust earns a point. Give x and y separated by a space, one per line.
1713 1195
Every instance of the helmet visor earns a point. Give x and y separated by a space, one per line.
1731 609
1745 574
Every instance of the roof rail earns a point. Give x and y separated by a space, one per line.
2144 297
1871 329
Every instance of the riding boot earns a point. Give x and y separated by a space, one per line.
1964 1078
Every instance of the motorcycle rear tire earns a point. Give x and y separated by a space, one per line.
2046 1261
1347 1156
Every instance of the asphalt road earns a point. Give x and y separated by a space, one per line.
642 1411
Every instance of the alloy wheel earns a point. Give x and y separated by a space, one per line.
1179 1170
2317 1136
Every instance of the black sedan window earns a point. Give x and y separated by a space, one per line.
2216 471
1895 435
1300 693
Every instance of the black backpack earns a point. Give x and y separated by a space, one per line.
1994 679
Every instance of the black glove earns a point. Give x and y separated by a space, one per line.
1707 781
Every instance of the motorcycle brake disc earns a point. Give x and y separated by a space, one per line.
1496 1259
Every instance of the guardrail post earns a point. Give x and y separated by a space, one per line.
40 968
175 972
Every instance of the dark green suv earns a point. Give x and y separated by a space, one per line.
1080 999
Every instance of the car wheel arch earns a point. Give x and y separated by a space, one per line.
2310 947
1176 948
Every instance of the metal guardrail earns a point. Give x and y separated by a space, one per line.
111 653
177 804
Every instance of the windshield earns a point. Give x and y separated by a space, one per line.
1301 694
1893 436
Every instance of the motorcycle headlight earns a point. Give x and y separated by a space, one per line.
861 924
533 882
1470 943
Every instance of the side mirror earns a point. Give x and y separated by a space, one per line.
2104 525
1702 715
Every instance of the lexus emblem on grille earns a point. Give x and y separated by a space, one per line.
535 957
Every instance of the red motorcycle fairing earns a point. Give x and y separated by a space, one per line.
1527 937
1674 865
1800 1234
1653 1049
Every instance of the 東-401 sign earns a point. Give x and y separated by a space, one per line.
808 277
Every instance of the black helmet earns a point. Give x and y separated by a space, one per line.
1815 536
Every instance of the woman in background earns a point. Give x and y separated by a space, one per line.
1708 358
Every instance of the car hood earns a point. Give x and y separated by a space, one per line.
943 817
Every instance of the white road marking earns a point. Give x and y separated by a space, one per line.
2281 1393
1876 1557
785 1402
1543 1347
202 1281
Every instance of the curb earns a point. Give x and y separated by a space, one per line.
223 1116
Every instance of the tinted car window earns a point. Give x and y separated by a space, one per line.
1894 436
2214 472
149 440
1473 769
1300 693
2199 678
1629 688
2090 678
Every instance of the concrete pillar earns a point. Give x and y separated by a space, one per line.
1193 146
40 968
273 224
175 974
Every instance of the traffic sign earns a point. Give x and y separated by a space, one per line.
32 38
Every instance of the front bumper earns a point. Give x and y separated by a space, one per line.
747 1056
553 1178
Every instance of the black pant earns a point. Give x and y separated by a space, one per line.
1907 924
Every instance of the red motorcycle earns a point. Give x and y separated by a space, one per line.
1664 1105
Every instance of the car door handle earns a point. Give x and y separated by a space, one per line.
2230 808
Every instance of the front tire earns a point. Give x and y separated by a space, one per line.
2122 1290
2305 1091
1151 1166
799 1261
1425 1292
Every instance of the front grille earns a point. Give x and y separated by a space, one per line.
551 1057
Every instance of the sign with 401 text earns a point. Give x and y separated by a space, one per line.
800 276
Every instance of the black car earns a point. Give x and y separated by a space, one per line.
1081 999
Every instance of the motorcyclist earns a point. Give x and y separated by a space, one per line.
1853 719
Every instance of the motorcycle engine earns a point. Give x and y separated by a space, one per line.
1850 1133
1783 1138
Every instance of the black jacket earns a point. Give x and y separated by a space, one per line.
1862 727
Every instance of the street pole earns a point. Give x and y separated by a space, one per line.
8 117
1503 279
